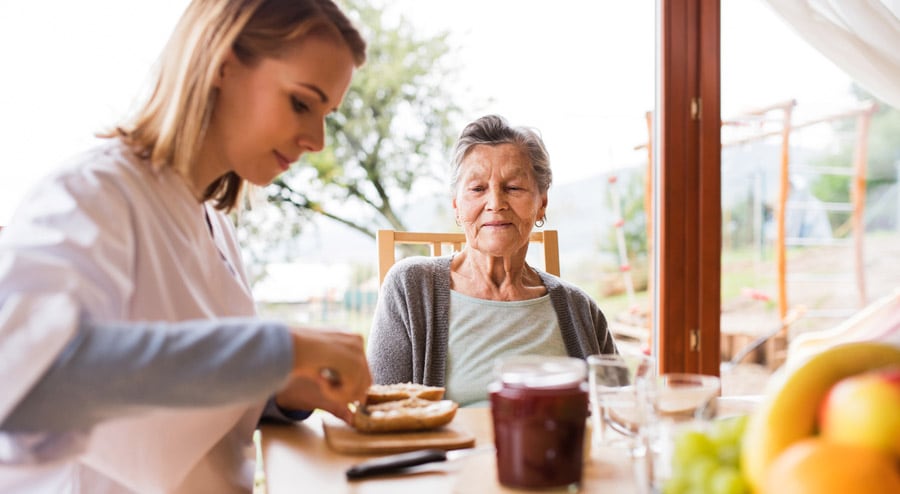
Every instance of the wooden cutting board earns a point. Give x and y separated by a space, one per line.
344 439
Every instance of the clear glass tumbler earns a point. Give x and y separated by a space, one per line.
617 409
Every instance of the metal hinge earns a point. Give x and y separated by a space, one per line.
695 108
695 340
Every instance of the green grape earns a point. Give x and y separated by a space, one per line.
690 446
677 484
700 471
728 430
708 462
729 454
727 480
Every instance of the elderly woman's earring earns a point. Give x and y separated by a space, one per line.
458 222
539 223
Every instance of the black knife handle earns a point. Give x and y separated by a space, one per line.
392 463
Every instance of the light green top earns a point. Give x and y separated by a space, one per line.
483 330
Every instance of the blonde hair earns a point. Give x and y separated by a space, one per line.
170 127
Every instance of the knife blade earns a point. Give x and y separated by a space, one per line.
399 462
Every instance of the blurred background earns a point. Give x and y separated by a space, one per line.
582 73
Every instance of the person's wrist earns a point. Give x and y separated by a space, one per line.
293 414
278 414
292 411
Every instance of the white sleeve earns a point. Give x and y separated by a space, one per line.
67 253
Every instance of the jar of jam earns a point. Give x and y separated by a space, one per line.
539 407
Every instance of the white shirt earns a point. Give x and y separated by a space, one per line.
109 239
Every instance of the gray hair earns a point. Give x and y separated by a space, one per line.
493 130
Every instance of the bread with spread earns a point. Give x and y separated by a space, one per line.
403 407
380 393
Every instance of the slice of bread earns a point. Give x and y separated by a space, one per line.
410 414
382 393
403 407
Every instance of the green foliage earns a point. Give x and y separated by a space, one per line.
883 153
884 147
392 132
631 192
737 224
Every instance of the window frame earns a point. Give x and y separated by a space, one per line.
687 188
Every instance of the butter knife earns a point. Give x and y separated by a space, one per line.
399 462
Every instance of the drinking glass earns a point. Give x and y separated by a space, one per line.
678 397
617 410
677 401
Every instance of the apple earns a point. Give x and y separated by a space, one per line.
864 410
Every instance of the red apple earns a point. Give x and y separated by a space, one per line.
864 410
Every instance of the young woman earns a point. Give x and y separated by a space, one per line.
130 352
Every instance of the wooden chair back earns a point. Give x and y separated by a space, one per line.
388 240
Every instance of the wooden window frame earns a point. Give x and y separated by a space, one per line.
687 205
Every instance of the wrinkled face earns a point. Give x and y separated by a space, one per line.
268 114
497 199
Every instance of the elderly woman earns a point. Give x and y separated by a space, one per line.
442 321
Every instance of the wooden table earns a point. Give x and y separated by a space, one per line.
298 460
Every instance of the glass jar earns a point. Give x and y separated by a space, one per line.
539 407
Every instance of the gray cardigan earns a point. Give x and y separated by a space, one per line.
408 340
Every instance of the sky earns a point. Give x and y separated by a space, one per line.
582 72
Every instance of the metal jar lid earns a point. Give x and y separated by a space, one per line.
538 371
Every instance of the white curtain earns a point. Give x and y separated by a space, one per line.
862 37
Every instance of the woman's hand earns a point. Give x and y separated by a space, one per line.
330 372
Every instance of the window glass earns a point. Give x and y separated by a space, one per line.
809 192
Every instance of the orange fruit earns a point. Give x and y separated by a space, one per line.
817 466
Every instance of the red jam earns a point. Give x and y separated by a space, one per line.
539 431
